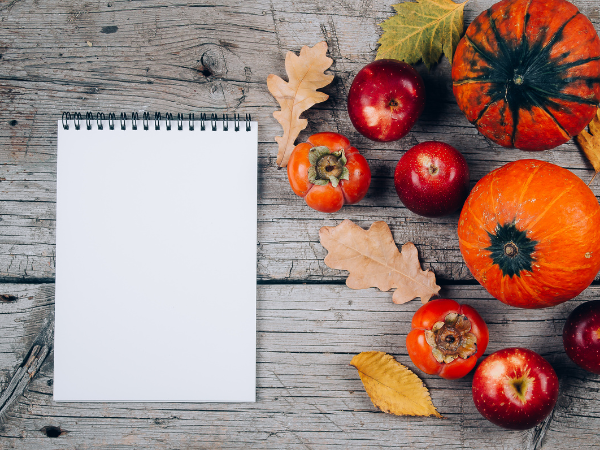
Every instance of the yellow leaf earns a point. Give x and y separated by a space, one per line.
422 31
306 75
392 387
590 142
373 260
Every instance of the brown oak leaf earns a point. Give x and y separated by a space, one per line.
392 387
590 142
373 260
306 75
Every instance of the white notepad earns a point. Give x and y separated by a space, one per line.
156 264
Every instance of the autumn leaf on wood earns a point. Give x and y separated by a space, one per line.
422 31
373 260
306 75
590 142
392 387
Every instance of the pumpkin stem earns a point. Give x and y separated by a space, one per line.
511 249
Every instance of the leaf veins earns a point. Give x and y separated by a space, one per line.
373 260
392 387
422 31
590 142
306 75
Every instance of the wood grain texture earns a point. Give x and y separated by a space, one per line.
147 56
120 55
308 396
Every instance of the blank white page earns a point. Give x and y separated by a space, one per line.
156 264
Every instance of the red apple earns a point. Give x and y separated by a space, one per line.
515 388
432 179
386 99
581 336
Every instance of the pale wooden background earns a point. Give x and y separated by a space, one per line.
117 55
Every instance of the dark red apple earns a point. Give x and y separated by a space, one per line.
432 179
515 388
386 99
581 336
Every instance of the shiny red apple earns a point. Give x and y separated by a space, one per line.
515 388
385 99
581 336
432 179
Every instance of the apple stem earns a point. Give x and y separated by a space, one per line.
521 385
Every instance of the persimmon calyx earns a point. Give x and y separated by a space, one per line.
327 166
451 339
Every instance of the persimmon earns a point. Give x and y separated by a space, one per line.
446 338
328 172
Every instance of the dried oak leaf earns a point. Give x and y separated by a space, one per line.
422 31
373 260
590 142
392 387
306 75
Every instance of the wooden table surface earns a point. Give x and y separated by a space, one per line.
170 56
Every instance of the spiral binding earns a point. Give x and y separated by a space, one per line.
76 119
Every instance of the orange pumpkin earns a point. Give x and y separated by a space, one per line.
529 232
527 73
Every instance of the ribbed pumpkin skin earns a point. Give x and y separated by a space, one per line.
554 209
527 73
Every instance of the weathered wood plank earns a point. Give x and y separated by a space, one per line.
132 56
308 395
24 311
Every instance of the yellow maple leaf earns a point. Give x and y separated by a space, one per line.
373 260
306 75
392 387
422 31
590 142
